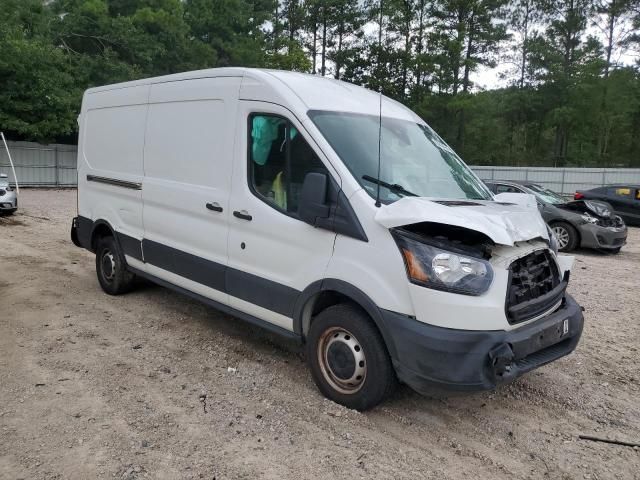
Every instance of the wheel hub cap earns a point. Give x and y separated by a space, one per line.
108 265
342 360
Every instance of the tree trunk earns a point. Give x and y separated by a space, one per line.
460 136
461 28
603 138
512 132
634 145
465 82
407 46
558 146
276 23
324 41
525 39
419 45
339 51
467 60
293 27
314 50
609 49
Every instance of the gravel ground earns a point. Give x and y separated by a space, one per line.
155 385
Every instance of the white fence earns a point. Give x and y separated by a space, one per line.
55 166
40 165
562 180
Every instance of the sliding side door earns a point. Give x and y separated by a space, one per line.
187 168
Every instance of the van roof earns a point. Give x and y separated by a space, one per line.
314 91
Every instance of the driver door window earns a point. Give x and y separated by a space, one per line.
507 189
279 159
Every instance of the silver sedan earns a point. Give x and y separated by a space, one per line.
8 197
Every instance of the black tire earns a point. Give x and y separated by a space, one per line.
111 268
560 228
343 338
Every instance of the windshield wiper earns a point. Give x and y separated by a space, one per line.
392 187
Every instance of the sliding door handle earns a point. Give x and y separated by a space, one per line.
215 206
243 214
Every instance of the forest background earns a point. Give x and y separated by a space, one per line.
565 88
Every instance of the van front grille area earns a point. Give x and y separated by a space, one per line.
534 286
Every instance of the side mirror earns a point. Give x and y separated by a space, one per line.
313 198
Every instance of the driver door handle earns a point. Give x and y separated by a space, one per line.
215 206
243 214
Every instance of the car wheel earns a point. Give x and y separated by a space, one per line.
567 236
348 359
111 268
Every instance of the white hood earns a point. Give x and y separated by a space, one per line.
503 223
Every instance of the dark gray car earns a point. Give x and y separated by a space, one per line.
576 223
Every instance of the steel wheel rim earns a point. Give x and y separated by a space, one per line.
562 235
108 265
342 360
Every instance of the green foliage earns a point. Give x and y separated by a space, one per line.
568 102
38 93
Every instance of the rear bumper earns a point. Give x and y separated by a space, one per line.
434 360
81 229
595 236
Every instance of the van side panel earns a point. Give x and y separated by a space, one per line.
110 166
187 167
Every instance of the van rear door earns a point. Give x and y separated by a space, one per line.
273 255
187 167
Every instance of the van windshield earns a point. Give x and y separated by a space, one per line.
415 161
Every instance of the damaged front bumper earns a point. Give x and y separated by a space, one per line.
606 238
436 360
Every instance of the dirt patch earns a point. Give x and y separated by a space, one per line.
155 385
10 220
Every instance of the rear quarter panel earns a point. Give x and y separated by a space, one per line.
111 142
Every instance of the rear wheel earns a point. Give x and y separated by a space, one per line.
348 358
111 268
567 236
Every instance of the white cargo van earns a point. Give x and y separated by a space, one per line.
327 213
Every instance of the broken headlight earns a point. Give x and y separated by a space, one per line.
553 240
598 208
586 218
441 269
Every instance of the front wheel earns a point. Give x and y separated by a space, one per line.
567 236
111 269
348 359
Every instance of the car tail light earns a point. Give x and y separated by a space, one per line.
578 196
